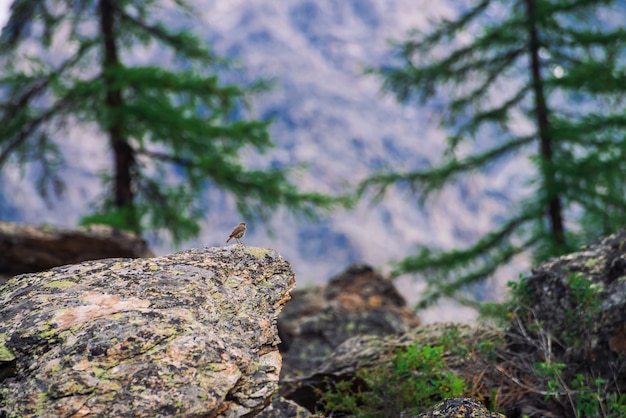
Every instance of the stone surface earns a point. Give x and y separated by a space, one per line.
603 265
317 320
459 408
189 334
283 408
28 249
571 310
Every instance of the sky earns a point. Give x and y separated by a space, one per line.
4 11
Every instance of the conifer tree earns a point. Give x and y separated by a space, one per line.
558 64
174 116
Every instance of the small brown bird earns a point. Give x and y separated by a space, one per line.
238 232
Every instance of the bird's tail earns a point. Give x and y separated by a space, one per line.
229 238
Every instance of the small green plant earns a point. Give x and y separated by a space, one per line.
566 375
588 397
452 342
586 307
553 373
593 400
417 379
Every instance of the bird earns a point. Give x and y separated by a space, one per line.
238 232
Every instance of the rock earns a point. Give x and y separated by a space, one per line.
283 408
464 356
553 297
459 408
571 310
189 334
28 249
317 320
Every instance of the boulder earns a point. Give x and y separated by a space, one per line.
28 249
317 320
570 311
556 290
189 334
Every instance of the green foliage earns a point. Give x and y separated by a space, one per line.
174 129
555 66
416 380
566 375
586 395
593 399
581 308
584 313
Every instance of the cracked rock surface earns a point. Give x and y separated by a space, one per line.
189 334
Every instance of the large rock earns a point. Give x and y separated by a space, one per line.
571 311
190 334
317 320
28 249
556 294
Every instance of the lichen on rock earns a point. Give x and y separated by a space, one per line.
189 334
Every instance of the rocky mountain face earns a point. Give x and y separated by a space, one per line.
327 115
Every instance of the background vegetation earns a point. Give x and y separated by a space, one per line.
543 78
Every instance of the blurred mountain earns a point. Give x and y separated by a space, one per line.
327 115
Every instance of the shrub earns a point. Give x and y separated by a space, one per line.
416 379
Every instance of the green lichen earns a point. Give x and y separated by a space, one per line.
5 353
55 369
48 330
59 284
98 371
41 404
257 252
592 262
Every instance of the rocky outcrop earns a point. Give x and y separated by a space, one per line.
571 311
28 249
317 320
589 284
189 334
